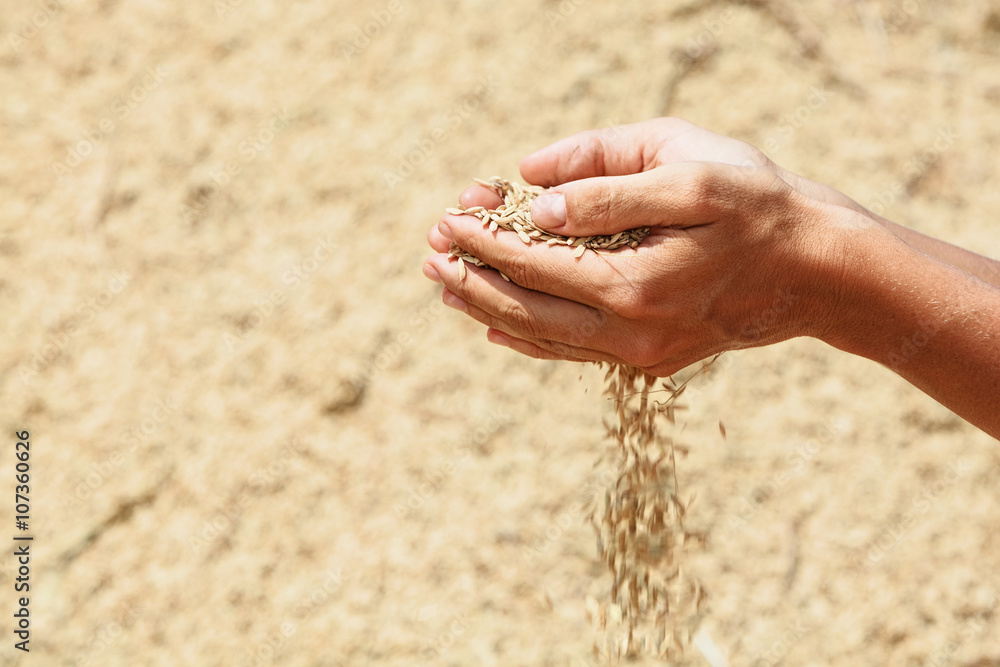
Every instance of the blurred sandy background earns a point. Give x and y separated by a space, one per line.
258 438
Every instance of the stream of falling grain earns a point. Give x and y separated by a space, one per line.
653 606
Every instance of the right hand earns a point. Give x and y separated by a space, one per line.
629 149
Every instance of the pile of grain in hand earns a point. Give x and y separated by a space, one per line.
653 606
514 215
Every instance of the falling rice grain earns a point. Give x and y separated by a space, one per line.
653 606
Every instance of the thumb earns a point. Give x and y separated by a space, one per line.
680 194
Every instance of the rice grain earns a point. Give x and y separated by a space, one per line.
653 606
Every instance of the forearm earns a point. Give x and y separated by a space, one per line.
934 324
984 268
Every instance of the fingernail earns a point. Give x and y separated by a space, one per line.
446 231
497 338
452 301
433 274
549 211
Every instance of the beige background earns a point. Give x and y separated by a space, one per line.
259 438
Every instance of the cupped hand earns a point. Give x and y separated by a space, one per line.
737 257
630 149
741 253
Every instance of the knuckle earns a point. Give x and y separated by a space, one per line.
702 187
461 288
517 316
519 269
595 208
698 192
629 304
758 158
588 158
673 125
771 187
767 192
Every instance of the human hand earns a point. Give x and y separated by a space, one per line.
629 149
736 257
742 253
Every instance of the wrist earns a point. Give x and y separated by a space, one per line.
883 290
859 266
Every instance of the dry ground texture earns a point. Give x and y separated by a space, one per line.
258 438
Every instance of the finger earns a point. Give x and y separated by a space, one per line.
479 195
537 351
588 280
681 195
608 152
630 149
553 347
437 240
526 347
476 195
527 314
